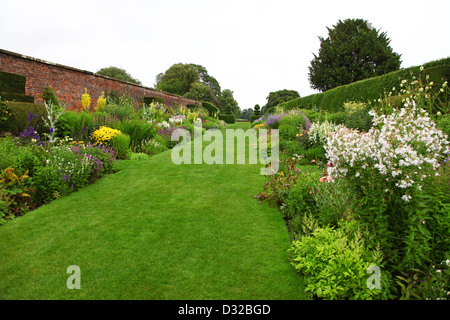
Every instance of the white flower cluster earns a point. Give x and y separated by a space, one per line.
163 125
318 132
176 119
399 147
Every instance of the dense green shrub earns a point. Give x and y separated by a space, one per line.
212 109
15 116
49 96
121 143
256 113
228 118
288 131
337 117
18 97
138 130
357 116
335 263
443 123
12 83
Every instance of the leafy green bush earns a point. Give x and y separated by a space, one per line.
139 156
292 147
18 116
443 123
212 109
138 130
228 118
287 131
335 263
315 155
49 96
121 143
154 146
300 199
337 117
357 116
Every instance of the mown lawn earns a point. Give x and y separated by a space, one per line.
154 230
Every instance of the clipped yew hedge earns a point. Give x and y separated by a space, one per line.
212 109
15 116
371 89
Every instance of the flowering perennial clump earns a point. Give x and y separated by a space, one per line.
104 134
404 148
318 132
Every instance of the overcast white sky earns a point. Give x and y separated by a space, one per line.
251 47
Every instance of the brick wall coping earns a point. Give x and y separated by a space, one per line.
81 71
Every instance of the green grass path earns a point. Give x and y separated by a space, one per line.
154 230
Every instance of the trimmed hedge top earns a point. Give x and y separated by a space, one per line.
212 109
12 83
370 89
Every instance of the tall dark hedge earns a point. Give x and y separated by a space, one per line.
370 89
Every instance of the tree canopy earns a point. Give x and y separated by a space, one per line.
277 97
353 51
118 73
193 81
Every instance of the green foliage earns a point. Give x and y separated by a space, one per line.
353 51
212 109
443 122
227 100
121 143
228 118
122 107
139 156
49 96
178 79
118 73
138 130
337 117
12 83
150 100
277 97
200 92
357 116
288 131
6 96
335 263
256 113
370 90
18 116
210 81
15 194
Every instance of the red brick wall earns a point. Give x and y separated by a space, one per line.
69 83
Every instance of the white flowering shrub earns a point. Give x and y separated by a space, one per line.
395 172
401 147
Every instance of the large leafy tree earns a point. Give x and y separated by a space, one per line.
118 73
177 79
227 99
193 81
353 51
277 97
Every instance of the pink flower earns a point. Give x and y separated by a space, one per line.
323 179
